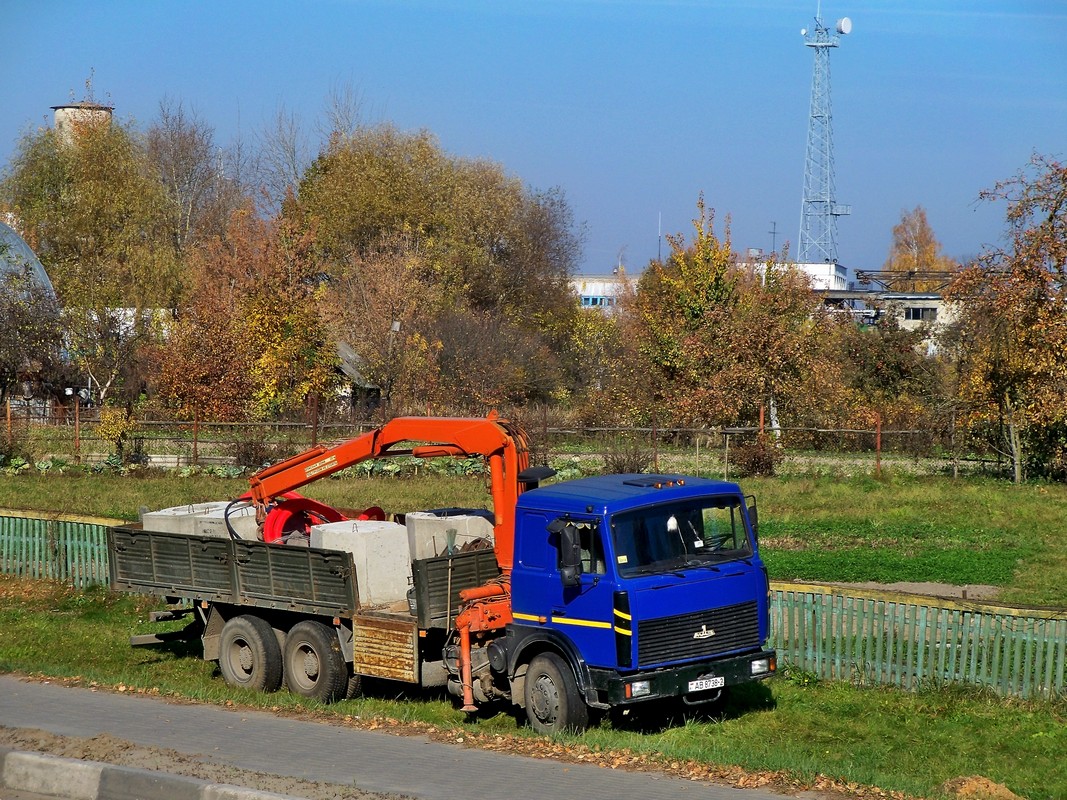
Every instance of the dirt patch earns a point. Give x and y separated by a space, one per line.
976 787
112 750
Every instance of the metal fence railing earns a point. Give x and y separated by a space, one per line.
879 638
41 434
865 637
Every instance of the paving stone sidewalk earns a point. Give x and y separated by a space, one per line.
372 761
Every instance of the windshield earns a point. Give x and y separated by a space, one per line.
694 533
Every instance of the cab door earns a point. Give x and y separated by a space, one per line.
581 608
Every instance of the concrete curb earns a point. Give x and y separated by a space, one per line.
73 779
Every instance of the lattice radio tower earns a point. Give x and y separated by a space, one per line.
820 210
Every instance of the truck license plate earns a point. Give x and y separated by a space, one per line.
700 684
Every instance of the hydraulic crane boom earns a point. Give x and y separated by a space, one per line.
502 443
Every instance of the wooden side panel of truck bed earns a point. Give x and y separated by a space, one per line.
385 647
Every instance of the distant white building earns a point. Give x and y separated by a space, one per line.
918 310
826 277
605 291
601 292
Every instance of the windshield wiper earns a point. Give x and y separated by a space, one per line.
654 570
700 564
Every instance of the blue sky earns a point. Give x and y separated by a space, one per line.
633 107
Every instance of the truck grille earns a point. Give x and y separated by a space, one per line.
700 634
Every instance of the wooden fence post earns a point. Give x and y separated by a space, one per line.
77 430
878 445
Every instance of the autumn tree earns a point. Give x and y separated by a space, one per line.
202 182
1013 324
916 250
497 255
283 153
98 218
204 368
598 353
381 304
716 340
257 313
887 374
94 211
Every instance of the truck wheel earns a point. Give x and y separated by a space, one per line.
553 704
314 664
355 687
249 655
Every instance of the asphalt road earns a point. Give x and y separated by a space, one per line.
373 761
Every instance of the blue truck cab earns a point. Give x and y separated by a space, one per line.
629 588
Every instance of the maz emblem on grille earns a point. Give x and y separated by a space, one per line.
704 633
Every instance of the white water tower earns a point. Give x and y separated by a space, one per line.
75 117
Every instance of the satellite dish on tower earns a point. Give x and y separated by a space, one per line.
844 25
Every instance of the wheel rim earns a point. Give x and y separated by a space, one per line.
240 659
545 700
305 666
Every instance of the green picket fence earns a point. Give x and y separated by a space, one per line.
865 637
69 551
878 638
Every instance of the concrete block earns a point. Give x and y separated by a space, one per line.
431 534
180 519
213 523
383 567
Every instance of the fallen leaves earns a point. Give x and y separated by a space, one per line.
571 752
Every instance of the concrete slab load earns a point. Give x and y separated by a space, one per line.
275 745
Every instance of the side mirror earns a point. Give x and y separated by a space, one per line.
570 556
753 515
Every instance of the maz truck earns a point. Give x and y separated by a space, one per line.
595 593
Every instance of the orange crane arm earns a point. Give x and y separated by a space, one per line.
502 443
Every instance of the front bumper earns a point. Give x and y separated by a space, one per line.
612 687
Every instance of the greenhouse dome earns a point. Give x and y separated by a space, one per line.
16 257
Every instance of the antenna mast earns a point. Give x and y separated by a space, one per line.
819 209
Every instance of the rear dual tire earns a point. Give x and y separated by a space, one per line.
313 663
249 655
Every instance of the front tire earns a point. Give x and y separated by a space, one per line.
314 664
553 702
249 655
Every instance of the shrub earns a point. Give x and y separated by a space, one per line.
116 425
759 458
627 455
257 451
15 450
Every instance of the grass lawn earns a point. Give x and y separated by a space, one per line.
792 731
918 529
899 528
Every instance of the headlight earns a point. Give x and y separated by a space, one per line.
638 689
761 665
